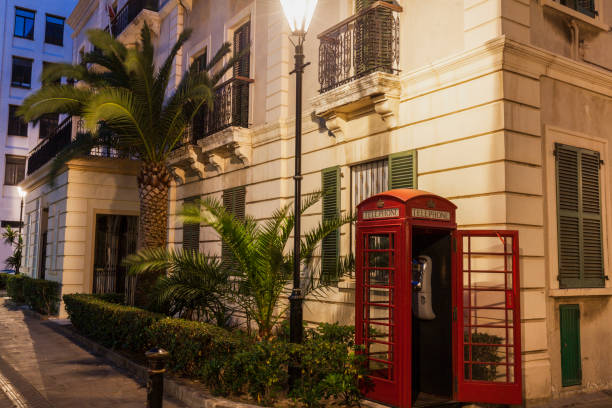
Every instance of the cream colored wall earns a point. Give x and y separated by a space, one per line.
88 187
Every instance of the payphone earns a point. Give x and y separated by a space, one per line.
435 306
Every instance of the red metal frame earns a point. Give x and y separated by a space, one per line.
502 390
400 212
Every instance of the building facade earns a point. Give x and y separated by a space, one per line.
500 106
34 34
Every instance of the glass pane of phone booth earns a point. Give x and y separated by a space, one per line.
490 315
379 303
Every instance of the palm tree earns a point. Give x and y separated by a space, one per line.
121 91
12 238
195 288
259 249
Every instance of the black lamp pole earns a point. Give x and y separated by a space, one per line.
296 331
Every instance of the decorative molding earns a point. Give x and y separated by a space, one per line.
379 91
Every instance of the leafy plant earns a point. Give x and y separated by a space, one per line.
483 354
13 239
195 287
14 288
264 264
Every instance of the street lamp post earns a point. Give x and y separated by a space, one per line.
22 194
299 14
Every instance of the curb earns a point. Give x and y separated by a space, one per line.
186 394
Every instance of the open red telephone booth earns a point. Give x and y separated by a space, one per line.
437 309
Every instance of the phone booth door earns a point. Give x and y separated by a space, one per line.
487 332
384 313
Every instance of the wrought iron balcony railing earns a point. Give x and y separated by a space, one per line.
363 43
231 108
50 147
129 12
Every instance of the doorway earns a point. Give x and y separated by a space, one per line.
116 237
432 361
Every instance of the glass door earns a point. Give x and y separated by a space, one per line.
380 311
487 323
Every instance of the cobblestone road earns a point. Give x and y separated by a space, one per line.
40 368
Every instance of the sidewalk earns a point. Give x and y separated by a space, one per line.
601 399
42 368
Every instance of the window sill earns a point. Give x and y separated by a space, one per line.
21 87
581 292
590 21
57 45
24 38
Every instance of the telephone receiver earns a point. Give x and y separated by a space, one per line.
421 282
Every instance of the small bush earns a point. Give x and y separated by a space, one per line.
3 279
482 353
41 295
116 298
14 288
113 325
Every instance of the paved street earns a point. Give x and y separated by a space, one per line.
41 368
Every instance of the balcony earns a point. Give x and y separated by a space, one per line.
65 133
359 64
219 138
129 20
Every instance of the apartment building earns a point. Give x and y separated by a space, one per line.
34 34
500 106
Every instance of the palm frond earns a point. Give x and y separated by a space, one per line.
54 99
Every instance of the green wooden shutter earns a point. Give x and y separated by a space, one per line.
571 362
579 218
234 202
403 170
330 246
191 231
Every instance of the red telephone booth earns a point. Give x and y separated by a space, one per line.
437 309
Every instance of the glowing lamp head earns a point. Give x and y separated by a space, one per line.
22 192
299 14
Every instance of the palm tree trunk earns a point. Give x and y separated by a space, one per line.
153 186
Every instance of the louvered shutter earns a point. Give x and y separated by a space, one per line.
579 218
234 202
242 68
403 170
191 231
330 246
373 39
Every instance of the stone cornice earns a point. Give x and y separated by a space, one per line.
505 54
80 15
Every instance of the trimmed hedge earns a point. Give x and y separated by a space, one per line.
40 294
113 325
230 362
3 279
117 298
197 349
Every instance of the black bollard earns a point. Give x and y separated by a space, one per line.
155 385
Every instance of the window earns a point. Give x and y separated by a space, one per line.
22 72
16 126
48 125
579 218
47 65
583 6
24 23
242 68
234 202
191 231
54 30
14 171
199 62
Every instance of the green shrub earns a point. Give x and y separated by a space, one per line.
331 366
3 279
41 295
112 325
117 298
195 348
14 288
483 353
